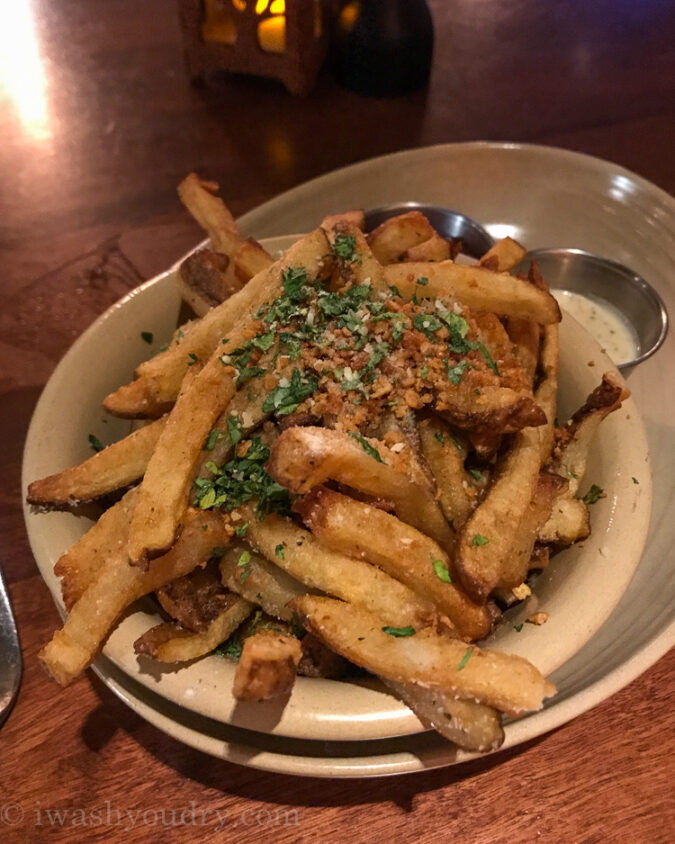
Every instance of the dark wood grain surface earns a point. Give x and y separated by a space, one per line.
97 126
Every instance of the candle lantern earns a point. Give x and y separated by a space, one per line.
284 39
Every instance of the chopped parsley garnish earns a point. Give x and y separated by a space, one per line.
439 436
193 359
593 495
635 481
240 480
465 659
247 373
476 474
231 648
240 530
427 324
395 291
212 439
441 571
95 443
344 247
147 336
518 627
233 429
424 372
366 446
244 559
399 632
455 372
284 400
423 280
295 283
279 551
479 539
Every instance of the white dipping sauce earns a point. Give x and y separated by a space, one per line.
607 324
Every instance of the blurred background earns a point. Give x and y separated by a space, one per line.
99 120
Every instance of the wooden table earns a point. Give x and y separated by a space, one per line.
98 125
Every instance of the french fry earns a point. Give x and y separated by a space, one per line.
171 643
476 288
196 599
525 336
470 725
303 458
492 550
211 213
117 466
445 454
573 441
159 379
103 544
435 248
250 259
353 218
356 263
118 585
505 682
506 254
490 410
207 279
366 533
396 235
568 522
165 487
250 575
299 554
267 667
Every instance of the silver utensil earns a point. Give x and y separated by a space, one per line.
452 225
11 665
611 283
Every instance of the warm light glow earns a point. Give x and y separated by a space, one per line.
22 73
218 26
272 34
349 15
500 230
260 6
278 7
239 5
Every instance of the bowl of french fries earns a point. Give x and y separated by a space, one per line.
365 486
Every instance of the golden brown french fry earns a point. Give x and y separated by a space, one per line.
445 454
166 484
525 336
305 457
476 288
435 248
159 379
299 554
495 544
398 234
573 441
207 279
490 409
353 218
171 643
211 213
505 682
250 259
196 599
104 543
267 667
246 408
117 585
117 466
255 578
364 532
470 725
568 522
506 254
353 256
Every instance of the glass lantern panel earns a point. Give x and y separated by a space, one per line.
272 34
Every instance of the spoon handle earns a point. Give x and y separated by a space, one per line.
11 665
